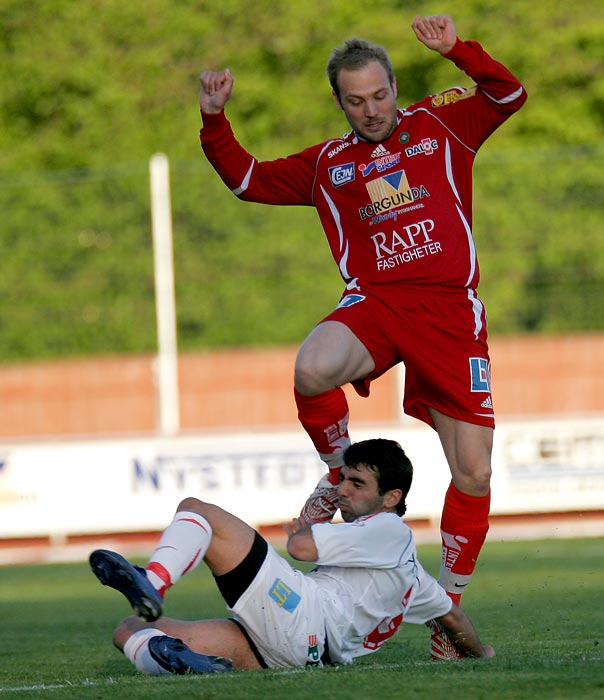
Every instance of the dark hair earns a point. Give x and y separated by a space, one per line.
390 463
354 54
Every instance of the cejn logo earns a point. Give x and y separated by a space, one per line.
341 174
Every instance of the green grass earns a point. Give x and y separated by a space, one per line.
541 604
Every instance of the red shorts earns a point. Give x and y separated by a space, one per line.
441 338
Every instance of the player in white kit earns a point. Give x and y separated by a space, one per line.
367 580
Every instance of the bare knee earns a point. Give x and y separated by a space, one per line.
192 505
126 629
310 376
473 479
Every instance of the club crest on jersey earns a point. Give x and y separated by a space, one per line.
341 174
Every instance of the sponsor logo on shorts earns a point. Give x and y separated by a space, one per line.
341 174
284 596
480 374
312 654
350 300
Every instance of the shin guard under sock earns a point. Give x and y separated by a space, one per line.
464 526
181 548
325 418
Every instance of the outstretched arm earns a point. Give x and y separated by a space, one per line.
437 32
461 632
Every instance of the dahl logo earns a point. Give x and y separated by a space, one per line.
426 146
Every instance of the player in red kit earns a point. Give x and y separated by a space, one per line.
394 196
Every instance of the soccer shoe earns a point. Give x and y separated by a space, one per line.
322 503
175 656
441 647
113 570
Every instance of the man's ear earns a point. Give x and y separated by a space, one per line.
336 99
394 88
392 498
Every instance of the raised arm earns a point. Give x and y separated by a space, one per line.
215 91
437 32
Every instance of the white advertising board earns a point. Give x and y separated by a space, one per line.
134 485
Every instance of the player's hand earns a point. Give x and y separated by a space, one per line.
295 525
215 91
437 32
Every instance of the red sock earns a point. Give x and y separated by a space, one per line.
325 419
463 528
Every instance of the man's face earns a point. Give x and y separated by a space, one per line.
368 101
358 493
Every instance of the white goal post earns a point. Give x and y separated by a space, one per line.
166 367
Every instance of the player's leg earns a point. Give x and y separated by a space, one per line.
199 531
330 357
464 523
179 646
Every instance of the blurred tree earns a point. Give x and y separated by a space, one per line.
89 91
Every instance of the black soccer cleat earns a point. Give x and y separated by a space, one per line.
113 570
175 656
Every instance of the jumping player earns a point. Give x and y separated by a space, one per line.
366 582
394 196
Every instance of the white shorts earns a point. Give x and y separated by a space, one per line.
282 614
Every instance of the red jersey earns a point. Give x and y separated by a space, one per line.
397 212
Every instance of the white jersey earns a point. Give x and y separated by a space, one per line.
367 580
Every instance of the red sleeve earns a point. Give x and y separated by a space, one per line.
479 111
286 181
492 77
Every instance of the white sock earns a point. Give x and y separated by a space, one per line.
136 650
181 548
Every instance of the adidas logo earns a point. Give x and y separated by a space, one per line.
380 151
487 403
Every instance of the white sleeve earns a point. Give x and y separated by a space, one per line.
378 541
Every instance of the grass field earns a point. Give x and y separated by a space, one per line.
540 603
